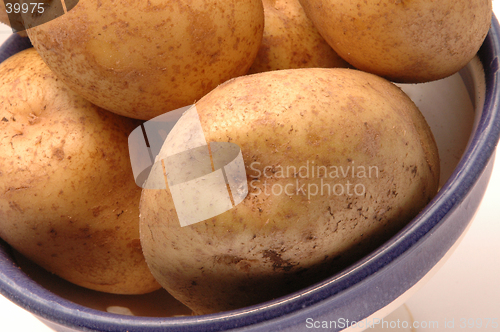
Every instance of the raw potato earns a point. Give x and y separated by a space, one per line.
68 200
291 41
144 58
403 40
287 233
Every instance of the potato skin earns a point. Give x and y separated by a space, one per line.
291 41
68 200
144 58
405 40
270 245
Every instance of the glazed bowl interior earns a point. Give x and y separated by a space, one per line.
462 111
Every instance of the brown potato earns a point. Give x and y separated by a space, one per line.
337 161
144 58
291 41
403 40
68 200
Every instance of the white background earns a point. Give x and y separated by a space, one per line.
466 287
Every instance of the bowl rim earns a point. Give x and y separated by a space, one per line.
19 288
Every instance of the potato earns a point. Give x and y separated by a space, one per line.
68 200
403 40
290 40
337 161
144 58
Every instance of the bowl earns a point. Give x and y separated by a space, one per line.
463 114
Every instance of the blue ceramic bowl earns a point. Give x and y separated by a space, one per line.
354 294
